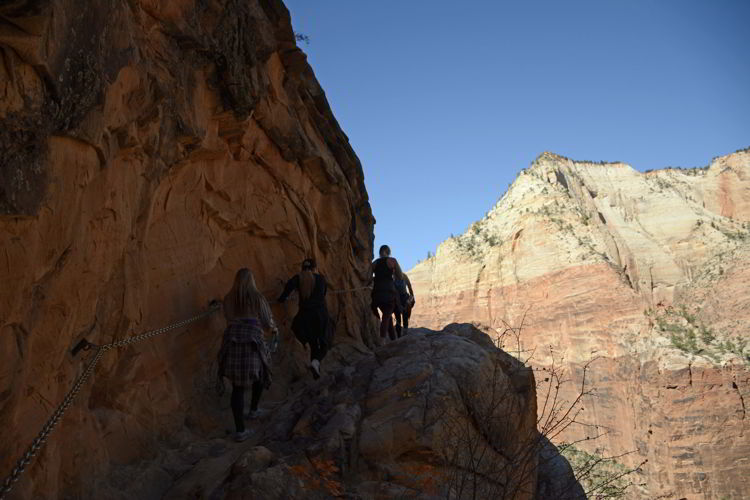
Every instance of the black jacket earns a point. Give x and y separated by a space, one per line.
317 298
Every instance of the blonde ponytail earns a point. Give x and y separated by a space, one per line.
246 297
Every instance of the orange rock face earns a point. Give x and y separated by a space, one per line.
647 273
149 150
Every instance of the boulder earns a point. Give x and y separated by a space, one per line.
431 415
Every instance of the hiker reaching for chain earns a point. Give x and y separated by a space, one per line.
311 322
244 358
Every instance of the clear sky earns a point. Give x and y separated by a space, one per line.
445 101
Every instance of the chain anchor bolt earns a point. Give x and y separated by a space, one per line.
82 345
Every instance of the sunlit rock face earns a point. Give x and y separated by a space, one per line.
148 150
649 273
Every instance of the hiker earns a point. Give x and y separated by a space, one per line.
244 357
384 294
311 322
405 303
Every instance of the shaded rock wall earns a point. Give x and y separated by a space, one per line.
147 151
649 273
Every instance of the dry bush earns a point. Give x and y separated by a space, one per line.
599 475
320 476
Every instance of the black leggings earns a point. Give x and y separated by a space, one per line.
238 403
310 327
404 314
318 348
386 320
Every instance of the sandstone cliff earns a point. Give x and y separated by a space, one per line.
148 150
649 273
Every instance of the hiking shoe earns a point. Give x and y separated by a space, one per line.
315 368
242 436
253 414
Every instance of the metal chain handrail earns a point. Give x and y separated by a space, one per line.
41 438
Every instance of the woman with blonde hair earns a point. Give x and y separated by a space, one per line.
244 357
311 322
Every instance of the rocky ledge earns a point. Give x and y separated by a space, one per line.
432 415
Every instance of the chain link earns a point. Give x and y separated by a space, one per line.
153 333
41 438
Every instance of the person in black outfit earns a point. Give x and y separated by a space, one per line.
311 322
405 304
384 293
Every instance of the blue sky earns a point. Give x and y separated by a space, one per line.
444 101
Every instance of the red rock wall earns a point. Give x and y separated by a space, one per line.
149 150
687 418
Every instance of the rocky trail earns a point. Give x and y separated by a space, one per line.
404 421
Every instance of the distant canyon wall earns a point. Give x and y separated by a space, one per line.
649 273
